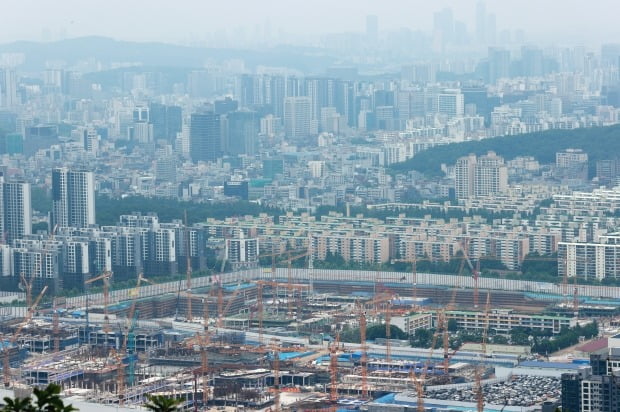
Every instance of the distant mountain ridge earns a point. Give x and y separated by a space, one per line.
108 50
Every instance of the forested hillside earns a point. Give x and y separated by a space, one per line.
600 143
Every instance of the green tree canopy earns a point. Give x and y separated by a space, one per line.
47 400
161 403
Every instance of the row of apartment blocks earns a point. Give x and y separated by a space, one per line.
67 259
370 240
590 260
600 202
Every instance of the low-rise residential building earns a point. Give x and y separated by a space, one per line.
503 321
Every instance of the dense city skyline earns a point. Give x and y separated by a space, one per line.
189 21
290 206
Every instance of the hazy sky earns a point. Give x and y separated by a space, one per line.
562 21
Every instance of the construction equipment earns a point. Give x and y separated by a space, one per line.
127 336
275 345
261 313
478 383
27 287
260 307
223 311
57 303
446 332
383 304
204 360
475 271
414 279
364 350
188 274
105 277
6 366
290 286
388 335
333 370
420 381
220 303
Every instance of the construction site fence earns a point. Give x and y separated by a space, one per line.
164 288
543 290
406 279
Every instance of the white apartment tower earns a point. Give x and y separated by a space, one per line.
15 210
297 117
451 103
73 197
491 175
480 176
464 175
8 88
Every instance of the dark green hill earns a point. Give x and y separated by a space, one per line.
599 142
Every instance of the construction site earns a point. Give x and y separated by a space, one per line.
270 339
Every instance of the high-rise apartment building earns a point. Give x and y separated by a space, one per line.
572 164
480 176
205 137
570 158
595 387
451 102
166 120
297 117
491 175
15 210
590 260
481 22
499 64
464 175
242 251
8 88
532 61
242 133
73 198
607 170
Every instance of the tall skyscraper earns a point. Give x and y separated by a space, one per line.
275 93
531 61
596 387
15 207
443 26
73 198
8 88
321 94
245 90
205 137
242 133
481 22
166 120
297 117
499 64
224 106
491 29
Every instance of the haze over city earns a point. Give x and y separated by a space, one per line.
379 206
192 21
